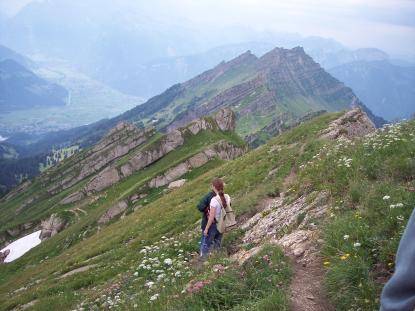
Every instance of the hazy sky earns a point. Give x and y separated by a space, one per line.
386 24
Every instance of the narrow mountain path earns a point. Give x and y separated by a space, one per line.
306 291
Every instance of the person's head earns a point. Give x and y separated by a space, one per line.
217 187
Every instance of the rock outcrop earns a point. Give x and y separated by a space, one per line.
224 120
354 123
106 178
73 197
222 150
118 142
271 224
177 183
144 158
51 226
113 212
3 255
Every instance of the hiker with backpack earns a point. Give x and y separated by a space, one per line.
217 216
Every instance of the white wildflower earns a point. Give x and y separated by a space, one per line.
168 261
154 297
346 237
357 244
386 197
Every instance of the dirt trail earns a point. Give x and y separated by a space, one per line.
306 290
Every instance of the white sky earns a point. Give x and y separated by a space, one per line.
385 24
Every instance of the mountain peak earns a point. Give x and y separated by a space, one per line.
279 56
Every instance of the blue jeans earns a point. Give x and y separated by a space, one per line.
212 240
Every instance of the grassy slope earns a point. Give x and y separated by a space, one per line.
356 192
169 215
372 199
46 204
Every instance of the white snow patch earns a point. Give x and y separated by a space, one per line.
19 247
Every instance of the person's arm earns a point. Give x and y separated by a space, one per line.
399 291
212 213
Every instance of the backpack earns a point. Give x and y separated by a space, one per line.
226 219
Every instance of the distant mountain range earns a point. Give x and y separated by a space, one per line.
132 54
280 87
20 88
387 89
282 81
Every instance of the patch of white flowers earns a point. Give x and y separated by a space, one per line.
344 161
158 268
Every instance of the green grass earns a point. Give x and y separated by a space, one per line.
380 166
171 214
357 209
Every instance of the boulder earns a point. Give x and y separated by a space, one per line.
354 123
113 212
225 119
51 226
177 183
3 255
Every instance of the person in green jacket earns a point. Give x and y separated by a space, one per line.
203 207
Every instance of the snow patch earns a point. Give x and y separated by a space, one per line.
21 246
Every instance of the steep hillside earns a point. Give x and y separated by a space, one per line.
134 161
320 211
386 89
21 89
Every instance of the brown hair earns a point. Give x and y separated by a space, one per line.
217 183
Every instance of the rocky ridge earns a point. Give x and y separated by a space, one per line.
224 120
117 143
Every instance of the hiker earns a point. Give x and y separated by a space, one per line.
213 225
203 207
399 292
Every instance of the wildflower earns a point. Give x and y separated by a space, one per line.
399 205
149 284
386 197
168 261
357 244
346 237
154 297
135 273
345 256
326 263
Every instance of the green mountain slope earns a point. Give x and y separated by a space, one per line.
304 190
127 163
